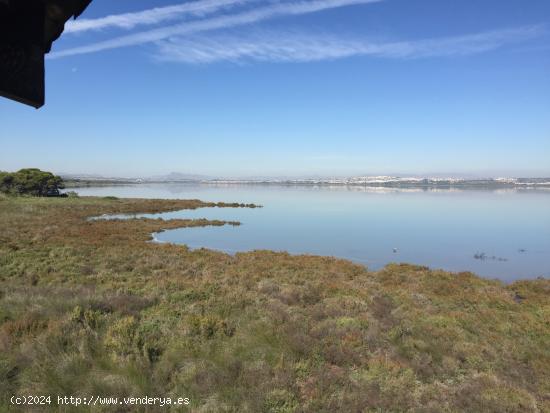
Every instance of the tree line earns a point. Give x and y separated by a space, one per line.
30 181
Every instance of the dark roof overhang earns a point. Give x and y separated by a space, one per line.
27 30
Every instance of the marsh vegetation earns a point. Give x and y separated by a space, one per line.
91 307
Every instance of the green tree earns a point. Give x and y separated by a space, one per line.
30 181
6 182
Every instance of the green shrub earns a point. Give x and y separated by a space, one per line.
280 401
31 181
120 337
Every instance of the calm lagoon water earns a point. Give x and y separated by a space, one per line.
373 226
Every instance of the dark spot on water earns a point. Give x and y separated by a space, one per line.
482 257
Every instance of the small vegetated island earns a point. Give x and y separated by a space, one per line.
89 307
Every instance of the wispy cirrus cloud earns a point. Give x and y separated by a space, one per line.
272 11
153 16
305 47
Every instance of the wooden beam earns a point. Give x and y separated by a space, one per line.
27 30
22 51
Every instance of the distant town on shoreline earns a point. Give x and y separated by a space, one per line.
370 181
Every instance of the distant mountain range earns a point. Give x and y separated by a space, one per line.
374 181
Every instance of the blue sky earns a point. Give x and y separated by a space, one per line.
293 88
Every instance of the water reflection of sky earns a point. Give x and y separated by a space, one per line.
438 228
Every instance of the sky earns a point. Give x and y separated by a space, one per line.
245 88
